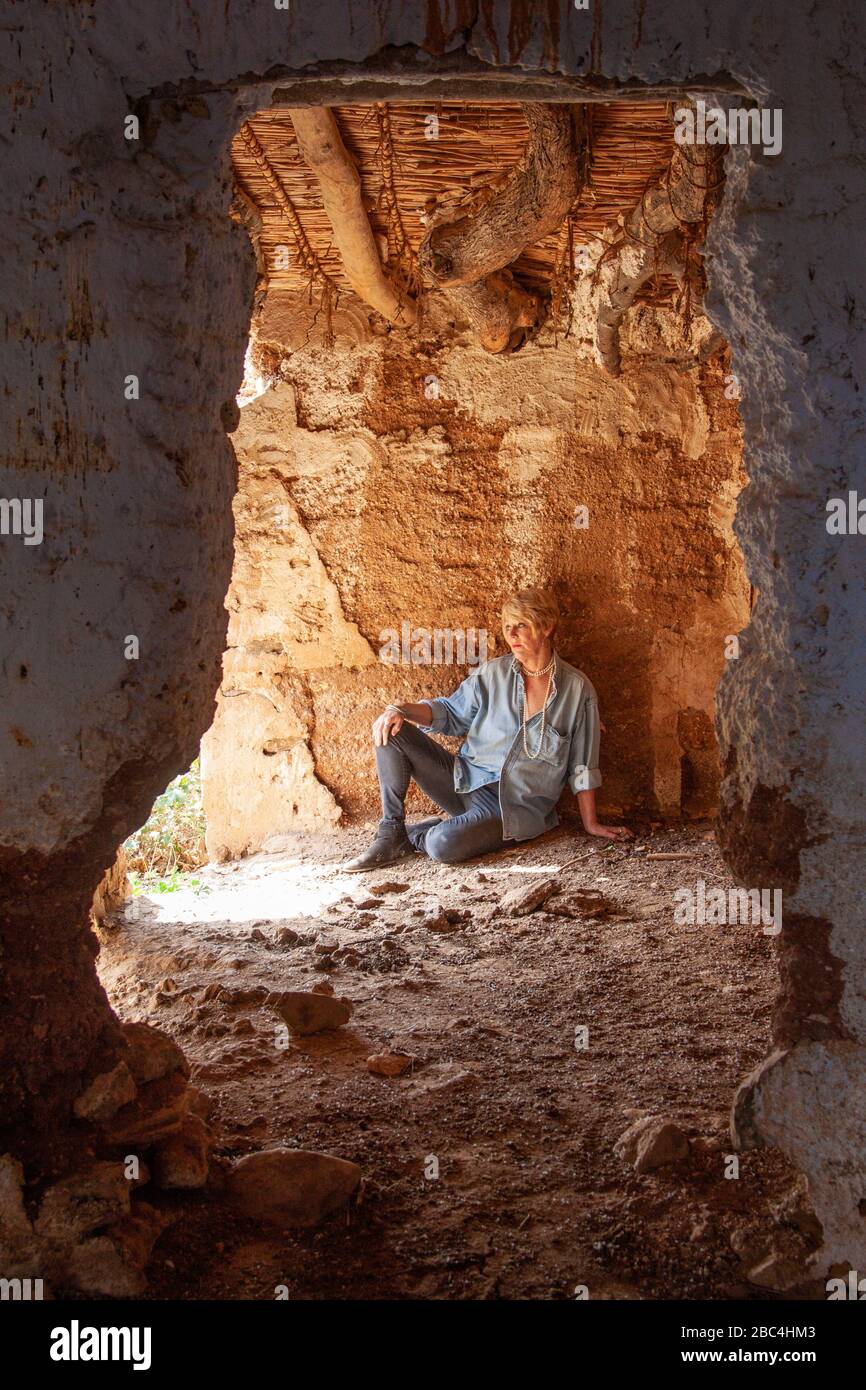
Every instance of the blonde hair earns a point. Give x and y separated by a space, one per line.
537 607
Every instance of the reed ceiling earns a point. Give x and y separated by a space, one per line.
630 145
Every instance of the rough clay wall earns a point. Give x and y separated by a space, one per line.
416 479
116 249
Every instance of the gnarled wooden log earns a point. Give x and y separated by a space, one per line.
466 257
652 241
532 202
501 311
323 149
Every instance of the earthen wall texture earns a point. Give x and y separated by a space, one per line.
405 485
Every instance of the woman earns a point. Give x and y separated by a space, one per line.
531 724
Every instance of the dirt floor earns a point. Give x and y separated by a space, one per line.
530 1200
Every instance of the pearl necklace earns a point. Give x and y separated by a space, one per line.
547 671
544 670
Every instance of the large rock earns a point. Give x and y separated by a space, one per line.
810 1101
652 1143
389 1063
158 1110
152 1054
291 1187
106 1094
307 1013
87 1237
439 919
183 1159
83 1201
114 1264
99 1269
523 900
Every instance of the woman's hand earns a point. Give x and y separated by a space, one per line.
610 832
391 722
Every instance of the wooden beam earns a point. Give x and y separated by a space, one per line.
339 181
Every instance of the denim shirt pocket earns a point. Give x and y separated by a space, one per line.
554 747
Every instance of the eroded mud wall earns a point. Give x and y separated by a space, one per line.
408 484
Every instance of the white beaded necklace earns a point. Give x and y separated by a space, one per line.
546 671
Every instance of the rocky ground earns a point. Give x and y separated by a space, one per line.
534 1039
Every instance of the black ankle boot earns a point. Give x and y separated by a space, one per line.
390 845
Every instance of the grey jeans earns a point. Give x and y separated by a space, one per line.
475 823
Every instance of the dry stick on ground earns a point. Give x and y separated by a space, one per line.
652 242
340 185
467 255
576 859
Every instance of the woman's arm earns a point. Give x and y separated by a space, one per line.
589 816
395 716
416 714
446 714
584 775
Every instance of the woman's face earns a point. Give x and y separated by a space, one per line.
527 642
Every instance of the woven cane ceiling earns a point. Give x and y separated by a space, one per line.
476 144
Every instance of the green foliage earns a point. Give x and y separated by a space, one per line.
170 845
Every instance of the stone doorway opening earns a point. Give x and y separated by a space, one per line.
396 481
764 824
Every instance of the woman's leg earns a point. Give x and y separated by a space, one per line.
409 755
477 830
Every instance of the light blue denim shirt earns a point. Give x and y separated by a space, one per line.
487 706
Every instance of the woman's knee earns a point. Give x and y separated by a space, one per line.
446 845
404 737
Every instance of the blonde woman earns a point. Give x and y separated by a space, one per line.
530 722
